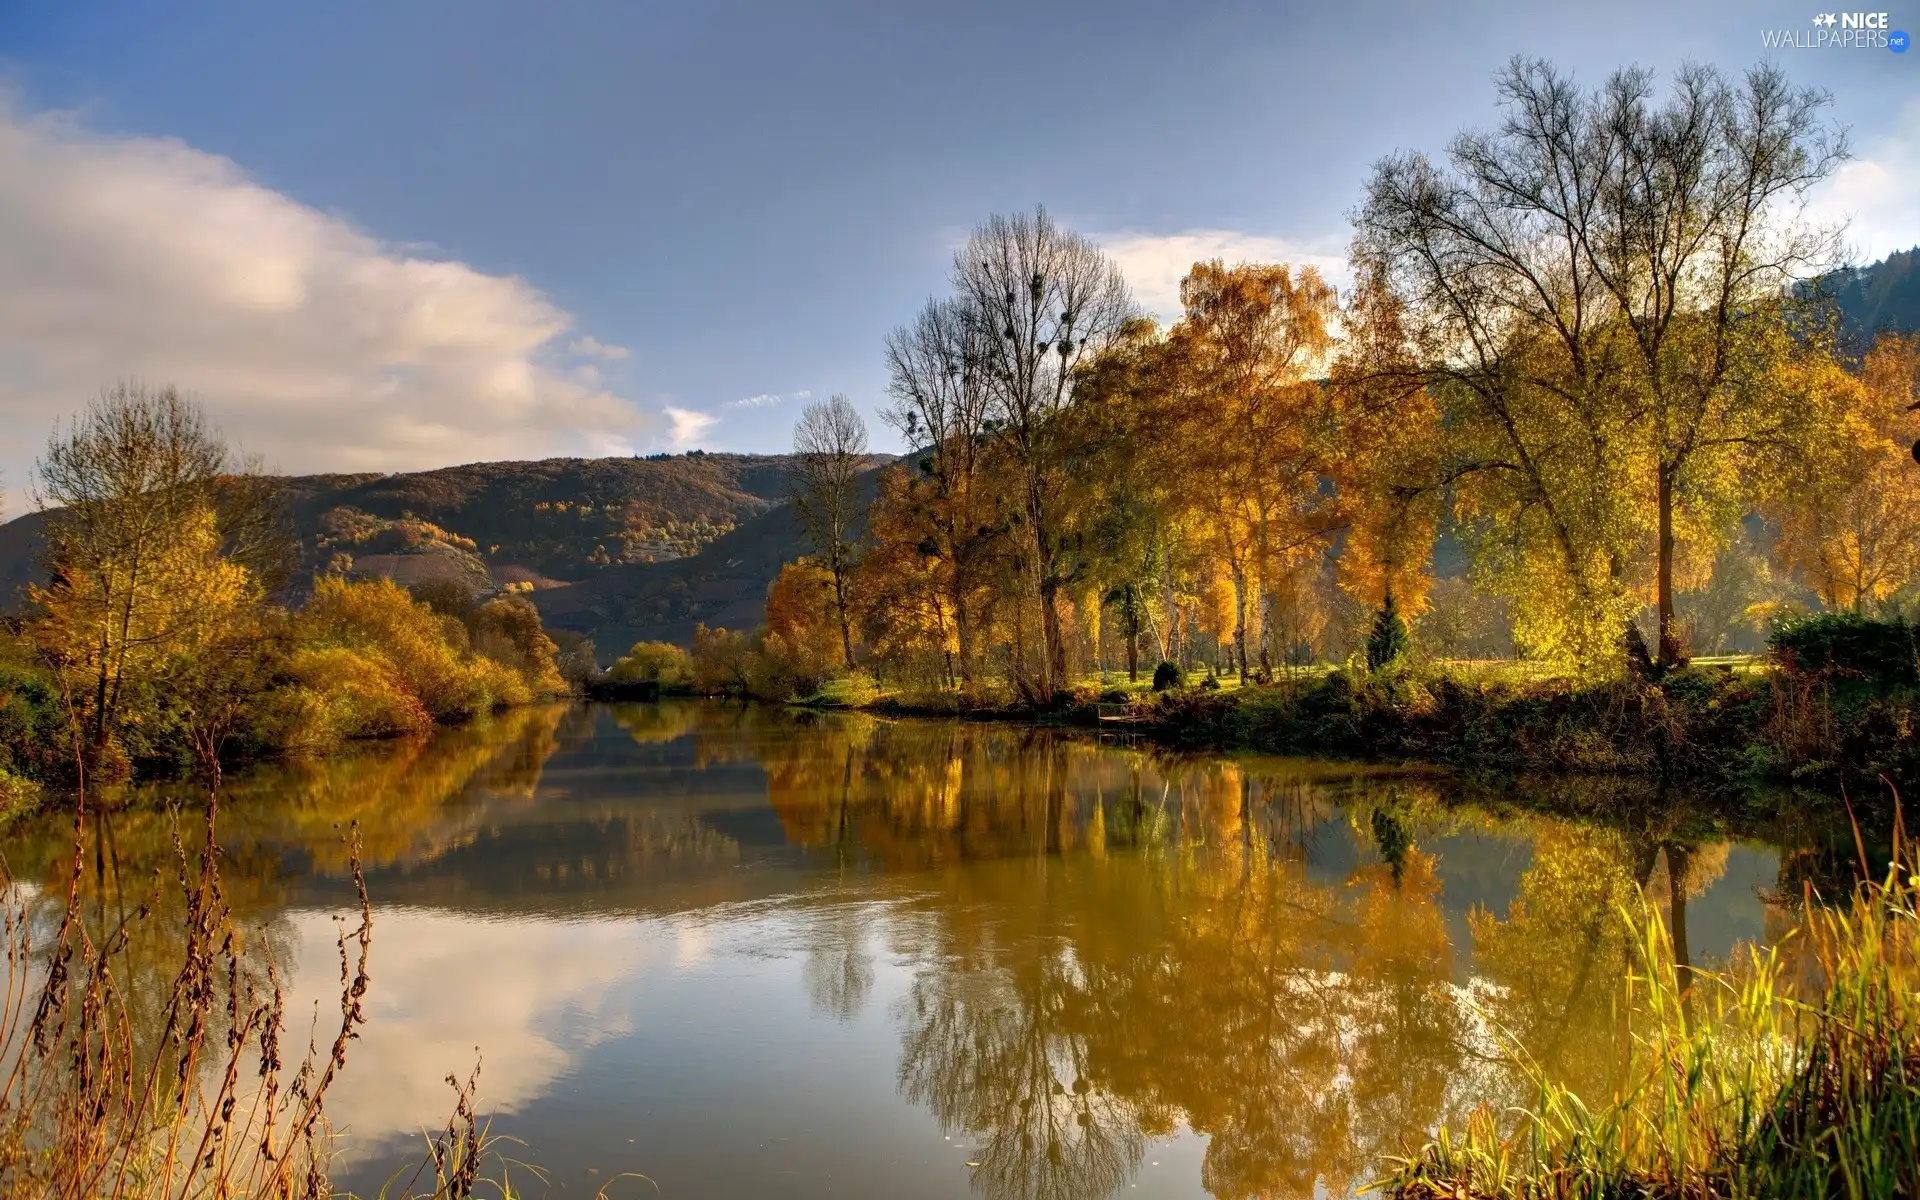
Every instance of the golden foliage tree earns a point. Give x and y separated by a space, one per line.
1848 507
942 522
144 572
1593 294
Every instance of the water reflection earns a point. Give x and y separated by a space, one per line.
1053 956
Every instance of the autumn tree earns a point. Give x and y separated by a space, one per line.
1594 294
1848 506
1044 299
1390 475
146 549
1259 431
938 379
803 631
830 454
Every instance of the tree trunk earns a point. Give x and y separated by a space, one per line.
1169 648
963 634
1055 677
1153 631
1240 618
1678 858
940 623
1672 654
1266 635
840 601
1133 640
1053 648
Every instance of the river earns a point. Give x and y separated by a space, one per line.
746 953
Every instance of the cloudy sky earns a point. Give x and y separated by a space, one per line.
383 236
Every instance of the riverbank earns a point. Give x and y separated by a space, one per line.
1714 725
1793 1072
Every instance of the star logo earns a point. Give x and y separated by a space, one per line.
1826 19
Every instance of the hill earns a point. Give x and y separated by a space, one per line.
560 518
1881 297
616 549
724 584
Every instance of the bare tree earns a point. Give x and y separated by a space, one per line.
1595 291
830 453
1044 298
939 384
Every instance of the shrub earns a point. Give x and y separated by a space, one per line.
1167 675
1879 652
18 794
1387 642
507 630
377 617
656 662
856 690
339 693
784 670
32 738
722 661
449 672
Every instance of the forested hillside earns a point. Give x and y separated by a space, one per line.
559 518
1878 298
610 547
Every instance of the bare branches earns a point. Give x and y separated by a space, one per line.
1595 290
830 454
1043 299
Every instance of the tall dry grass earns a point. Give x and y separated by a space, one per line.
193 1091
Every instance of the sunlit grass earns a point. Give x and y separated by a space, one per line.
1793 1073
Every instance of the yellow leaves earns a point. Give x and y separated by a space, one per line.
428 654
1848 506
800 607
124 617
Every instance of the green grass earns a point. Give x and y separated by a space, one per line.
1794 1073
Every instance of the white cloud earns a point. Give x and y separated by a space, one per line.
439 998
1154 264
686 426
591 347
769 399
308 340
1878 192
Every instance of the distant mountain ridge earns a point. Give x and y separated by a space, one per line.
1882 297
617 549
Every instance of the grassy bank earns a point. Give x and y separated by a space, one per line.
1833 707
1794 1073
1708 724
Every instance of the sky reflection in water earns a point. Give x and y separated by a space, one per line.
749 953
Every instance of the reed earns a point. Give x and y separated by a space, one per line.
110 1090
1795 1072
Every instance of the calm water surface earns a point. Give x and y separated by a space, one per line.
755 954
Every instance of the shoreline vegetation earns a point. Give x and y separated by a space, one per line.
176 636
1829 711
1793 1072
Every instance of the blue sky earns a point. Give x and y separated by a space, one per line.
391 235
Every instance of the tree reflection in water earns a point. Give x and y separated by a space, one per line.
1112 944
1106 945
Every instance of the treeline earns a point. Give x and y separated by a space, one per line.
1573 348
159 642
